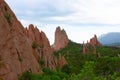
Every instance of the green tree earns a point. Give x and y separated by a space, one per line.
87 71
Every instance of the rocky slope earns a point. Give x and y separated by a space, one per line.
28 49
61 39
42 49
16 54
23 49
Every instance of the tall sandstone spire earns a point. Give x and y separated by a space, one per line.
61 39
93 43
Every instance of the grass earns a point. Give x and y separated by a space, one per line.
8 17
34 45
20 59
5 8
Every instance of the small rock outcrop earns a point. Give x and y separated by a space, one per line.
62 61
61 39
94 41
93 44
85 48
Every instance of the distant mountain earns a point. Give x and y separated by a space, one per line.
110 39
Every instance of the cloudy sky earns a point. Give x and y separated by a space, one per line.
80 18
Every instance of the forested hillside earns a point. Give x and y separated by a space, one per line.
104 65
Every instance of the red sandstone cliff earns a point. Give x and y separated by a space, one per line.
16 54
21 49
61 39
26 49
43 51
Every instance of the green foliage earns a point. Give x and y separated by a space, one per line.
107 66
5 8
1 79
73 77
71 48
108 51
34 45
47 71
8 17
41 62
83 67
48 75
115 76
1 63
29 76
25 76
0 58
74 56
66 69
87 71
20 59
54 74
42 46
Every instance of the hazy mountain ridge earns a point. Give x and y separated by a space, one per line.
110 39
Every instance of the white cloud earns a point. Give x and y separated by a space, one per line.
93 11
104 15
79 11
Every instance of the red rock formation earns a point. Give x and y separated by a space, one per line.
44 51
15 51
34 34
61 39
17 54
99 55
62 61
94 41
85 48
